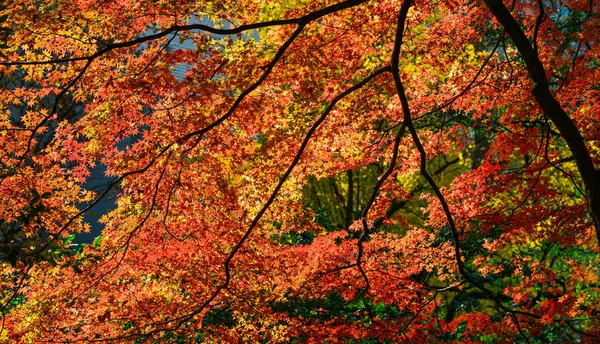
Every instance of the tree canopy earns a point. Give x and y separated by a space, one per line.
300 171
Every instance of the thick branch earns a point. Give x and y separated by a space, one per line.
552 108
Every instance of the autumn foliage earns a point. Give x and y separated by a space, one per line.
300 171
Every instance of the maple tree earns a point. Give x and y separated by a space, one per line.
319 171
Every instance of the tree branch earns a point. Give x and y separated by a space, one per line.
552 108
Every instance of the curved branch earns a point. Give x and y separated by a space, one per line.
301 21
423 169
282 180
371 201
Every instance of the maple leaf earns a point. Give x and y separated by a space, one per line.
299 171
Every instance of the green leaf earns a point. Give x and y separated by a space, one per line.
68 239
97 241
